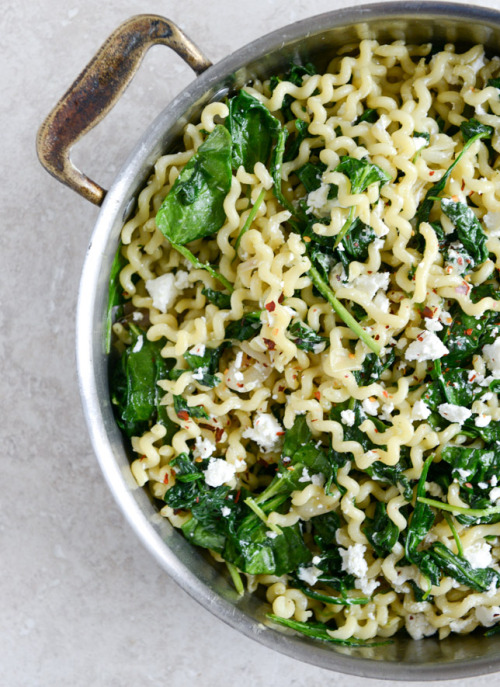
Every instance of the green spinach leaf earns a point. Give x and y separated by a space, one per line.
468 229
305 338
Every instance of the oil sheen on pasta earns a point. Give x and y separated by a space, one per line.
355 486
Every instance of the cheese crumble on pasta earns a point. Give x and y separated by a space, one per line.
305 353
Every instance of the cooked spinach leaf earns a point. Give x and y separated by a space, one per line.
218 298
135 394
381 531
253 130
471 132
115 293
245 328
305 338
194 206
205 366
468 229
457 567
184 411
319 631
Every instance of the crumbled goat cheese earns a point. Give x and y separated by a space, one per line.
420 142
382 302
181 280
387 409
318 480
163 291
488 616
225 511
138 344
463 473
238 376
309 575
365 585
317 199
218 472
238 360
418 626
200 373
348 417
433 325
494 481
491 355
427 346
371 283
420 411
271 534
479 555
492 222
266 432
203 448
482 420
199 350
305 476
370 406
494 494
353 560
454 413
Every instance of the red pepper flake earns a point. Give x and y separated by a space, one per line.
269 343
469 485
468 332
280 434
463 185
142 458
183 414
427 312
385 394
281 388
237 497
271 306
197 499
307 239
317 395
218 434
281 298
165 479
431 174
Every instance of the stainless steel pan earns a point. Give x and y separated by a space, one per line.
85 103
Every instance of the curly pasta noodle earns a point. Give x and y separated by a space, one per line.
399 108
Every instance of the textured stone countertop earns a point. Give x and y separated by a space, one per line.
82 602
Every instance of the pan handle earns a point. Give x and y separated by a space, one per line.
99 87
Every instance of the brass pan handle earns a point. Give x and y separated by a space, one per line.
99 87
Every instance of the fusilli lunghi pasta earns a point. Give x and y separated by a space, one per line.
310 381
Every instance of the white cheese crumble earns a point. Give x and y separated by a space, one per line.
238 360
420 411
463 473
199 349
163 291
370 406
181 280
488 616
418 626
348 417
494 494
482 420
203 448
225 510
427 346
218 472
309 575
317 199
491 355
199 374
479 555
454 413
266 432
138 344
433 325
365 585
371 283
353 560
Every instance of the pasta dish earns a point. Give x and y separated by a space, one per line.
303 325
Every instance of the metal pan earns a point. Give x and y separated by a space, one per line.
85 103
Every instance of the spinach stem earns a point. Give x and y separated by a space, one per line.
474 512
345 226
260 514
236 578
249 220
460 548
341 311
203 266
